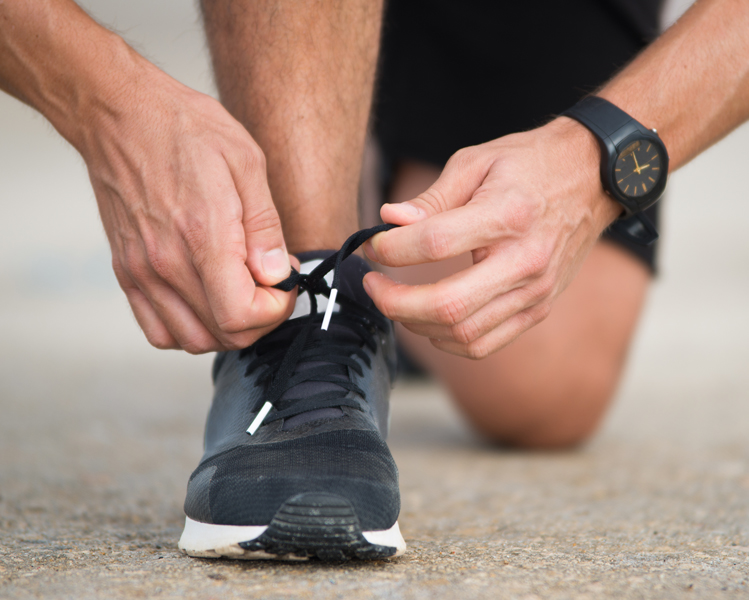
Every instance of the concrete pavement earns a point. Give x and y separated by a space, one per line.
99 432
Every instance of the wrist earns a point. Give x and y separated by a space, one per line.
578 149
101 91
57 59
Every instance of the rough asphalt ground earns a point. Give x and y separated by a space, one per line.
98 432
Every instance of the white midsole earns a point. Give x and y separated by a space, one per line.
206 538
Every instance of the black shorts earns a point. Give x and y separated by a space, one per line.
456 73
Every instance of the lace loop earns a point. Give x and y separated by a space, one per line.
334 353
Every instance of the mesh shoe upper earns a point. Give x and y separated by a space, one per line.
329 419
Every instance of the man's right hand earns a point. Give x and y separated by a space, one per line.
181 185
183 195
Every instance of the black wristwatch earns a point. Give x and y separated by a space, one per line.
634 163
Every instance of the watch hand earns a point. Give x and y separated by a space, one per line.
643 167
637 167
623 178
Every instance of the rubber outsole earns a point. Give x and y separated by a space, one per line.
311 525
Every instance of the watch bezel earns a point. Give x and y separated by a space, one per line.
637 204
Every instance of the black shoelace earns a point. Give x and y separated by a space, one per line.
327 354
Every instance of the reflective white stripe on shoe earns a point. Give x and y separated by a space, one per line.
329 309
258 420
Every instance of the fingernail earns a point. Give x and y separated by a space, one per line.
366 287
369 251
409 209
276 263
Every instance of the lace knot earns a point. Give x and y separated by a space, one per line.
284 377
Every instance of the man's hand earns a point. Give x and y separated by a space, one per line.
182 191
181 185
528 206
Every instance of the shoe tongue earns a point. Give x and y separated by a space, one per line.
352 271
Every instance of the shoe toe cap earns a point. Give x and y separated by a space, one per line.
248 484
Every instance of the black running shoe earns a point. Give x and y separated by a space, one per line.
295 462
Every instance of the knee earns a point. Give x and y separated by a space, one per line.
540 419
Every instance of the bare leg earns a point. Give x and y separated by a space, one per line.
299 76
551 387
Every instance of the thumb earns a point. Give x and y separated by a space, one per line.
462 176
267 257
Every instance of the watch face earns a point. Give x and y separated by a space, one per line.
638 169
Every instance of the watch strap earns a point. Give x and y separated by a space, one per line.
611 125
601 117
637 228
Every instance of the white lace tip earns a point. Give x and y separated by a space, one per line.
258 420
329 309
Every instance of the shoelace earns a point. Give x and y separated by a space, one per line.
329 353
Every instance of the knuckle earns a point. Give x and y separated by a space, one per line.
231 344
159 339
237 342
519 215
264 218
465 332
160 263
198 345
521 211
546 287
451 310
435 199
435 244
529 318
535 262
244 154
123 277
232 325
194 235
388 308
135 266
478 349
196 241
463 158
253 158
384 251
541 312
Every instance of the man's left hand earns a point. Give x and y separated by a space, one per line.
528 206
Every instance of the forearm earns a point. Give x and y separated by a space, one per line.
692 84
55 58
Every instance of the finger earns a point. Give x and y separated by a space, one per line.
152 326
483 321
431 303
225 294
157 307
180 319
247 338
268 307
445 235
447 302
211 272
462 176
267 256
497 338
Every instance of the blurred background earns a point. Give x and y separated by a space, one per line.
60 304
